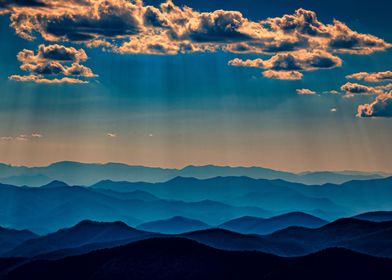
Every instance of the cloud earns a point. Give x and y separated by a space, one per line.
345 40
53 64
293 61
295 42
352 89
376 77
380 107
6 6
42 80
36 135
111 135
305 91
78 20
283 75
108 20
22 137
332 92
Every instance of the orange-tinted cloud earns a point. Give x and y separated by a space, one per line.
380 107
305 91
283 75
127 26
53 64
293 61
375 77
352 89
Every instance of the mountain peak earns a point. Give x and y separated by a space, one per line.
55 184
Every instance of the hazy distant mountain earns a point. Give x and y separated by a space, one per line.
51 208
362 196
377 216
328 201
177 259
174 225
9 238
265 226
54 184
75 173
85 232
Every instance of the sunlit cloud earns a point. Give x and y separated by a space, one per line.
53 64
305 91
296 42
380 107
375 77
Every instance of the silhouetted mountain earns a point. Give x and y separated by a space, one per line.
348 233
175 259
265 226
85 232
9 238
229 240
76 173
377 216
51 208
174 225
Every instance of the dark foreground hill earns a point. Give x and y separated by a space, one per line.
85 232
371 238
178 259
9 238
377 216
264 226
174 225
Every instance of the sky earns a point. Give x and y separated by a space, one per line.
290 85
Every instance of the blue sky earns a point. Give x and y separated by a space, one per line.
193 108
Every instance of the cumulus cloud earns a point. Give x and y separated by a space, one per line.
352 89
380 107
6 6
305 91
127 26
375 77
91 20
283 75
292 62
53 64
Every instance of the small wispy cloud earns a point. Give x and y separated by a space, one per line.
111 135
305 91
36 135
22 137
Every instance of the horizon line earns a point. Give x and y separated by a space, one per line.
194 165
